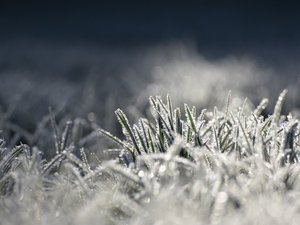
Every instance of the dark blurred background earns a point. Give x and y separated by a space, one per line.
95 56
218 27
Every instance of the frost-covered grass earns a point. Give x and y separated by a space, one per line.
226 165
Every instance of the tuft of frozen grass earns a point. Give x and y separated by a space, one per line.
230 166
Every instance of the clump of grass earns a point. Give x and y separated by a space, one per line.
227 132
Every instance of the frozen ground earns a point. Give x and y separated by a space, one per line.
244 171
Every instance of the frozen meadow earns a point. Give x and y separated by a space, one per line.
82 142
